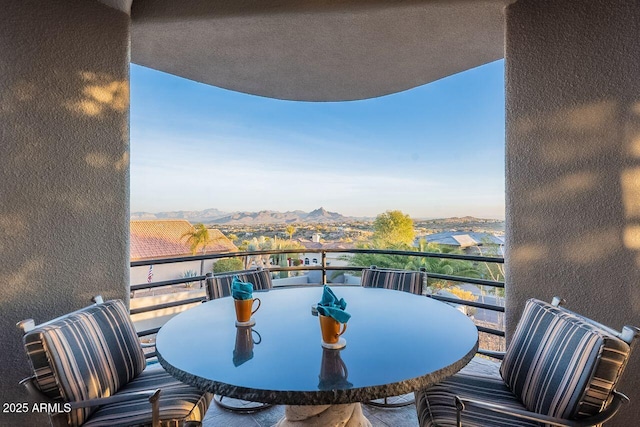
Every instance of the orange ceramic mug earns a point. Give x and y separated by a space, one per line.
330 328
245 339
243 308
333 367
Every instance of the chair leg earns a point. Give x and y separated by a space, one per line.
459 409
242 406
385 403
155 409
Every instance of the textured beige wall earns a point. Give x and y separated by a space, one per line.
64 179
573 162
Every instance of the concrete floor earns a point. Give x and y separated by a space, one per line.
379 417
217 417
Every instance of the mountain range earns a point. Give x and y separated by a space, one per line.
215 216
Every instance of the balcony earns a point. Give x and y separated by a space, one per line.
571 136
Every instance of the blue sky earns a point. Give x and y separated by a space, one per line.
432 151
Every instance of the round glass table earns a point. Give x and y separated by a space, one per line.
396 343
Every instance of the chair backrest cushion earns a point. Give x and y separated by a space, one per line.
220 286
399 280
559 364
87 354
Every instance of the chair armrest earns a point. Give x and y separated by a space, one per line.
154 399
608 413
55 420
154 396
116 398
33 391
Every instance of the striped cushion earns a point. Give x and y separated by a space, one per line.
400 280
561 365
87 354
436 407
220 286
178 403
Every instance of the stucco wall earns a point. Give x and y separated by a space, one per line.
316 50
573 163
64 179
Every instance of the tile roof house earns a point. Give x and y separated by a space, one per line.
164 238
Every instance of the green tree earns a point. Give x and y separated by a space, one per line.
227 264
446 266
282 259
379 260
290 230
261 243
393 229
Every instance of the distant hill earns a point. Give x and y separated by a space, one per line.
214 216
466 223
191 216
319 215
460 220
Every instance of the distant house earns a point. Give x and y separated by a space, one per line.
151 239
469 242
464 239
316 258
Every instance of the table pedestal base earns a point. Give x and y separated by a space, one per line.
349 415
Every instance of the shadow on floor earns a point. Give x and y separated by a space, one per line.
379 417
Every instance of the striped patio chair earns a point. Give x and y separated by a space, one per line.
399 280
219 286
560 369
91 359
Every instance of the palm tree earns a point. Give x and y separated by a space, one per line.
450 267
379 260
198 238
493 271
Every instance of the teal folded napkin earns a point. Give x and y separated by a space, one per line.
331 306
239 357
241 290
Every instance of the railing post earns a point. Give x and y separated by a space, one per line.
324 267
209 285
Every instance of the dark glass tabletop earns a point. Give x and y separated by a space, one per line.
396 342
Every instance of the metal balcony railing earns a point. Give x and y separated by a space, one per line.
324 268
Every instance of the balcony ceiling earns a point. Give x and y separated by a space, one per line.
316 50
